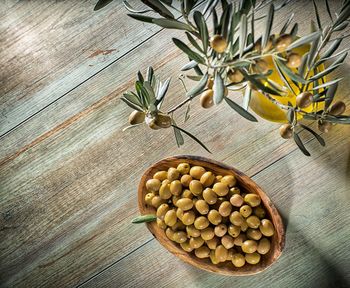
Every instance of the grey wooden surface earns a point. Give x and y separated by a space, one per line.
68 174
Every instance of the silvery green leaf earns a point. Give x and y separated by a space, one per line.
340 59
300 144
302 67
140 77
202 28
131 105
225 20
242 34
234 22
150 92
162 91
317 15
235 47
338 119
304 40
199 87
268 26
178 136
294 30
344 15
194 42
327 84
192 136
210 4
317 136
283 77
328 10
285 26
133 98
290 73
149 74
240 110
193 55
218 88
172 24
144 218
198 70
189 65
259 85
332 89
313 51
342 52
159 8
187 114
246 6
195 77
167 2
188 5
331 49
313 27
132 10
252 29
142 18
324 72
215 21
246 97
101 3
341 26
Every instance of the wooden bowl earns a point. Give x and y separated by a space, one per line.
246 184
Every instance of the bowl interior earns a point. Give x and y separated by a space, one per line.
246 185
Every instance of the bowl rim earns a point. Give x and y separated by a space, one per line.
173 247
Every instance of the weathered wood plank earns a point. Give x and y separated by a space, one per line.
313 196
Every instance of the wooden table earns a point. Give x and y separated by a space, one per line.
69 174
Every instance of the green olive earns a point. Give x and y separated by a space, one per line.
196 172
240 239
245 210
253 221
264 246
229 180
183 168
220 189
304 99
252 258
169 233
202 252
236 218
173 174
153 185
184 203
196 187
176 187
234 230
266 228
225 208
196 242
286 131
178 226
283 42
233 191
149 197
207 233
261 66
249 246
210 196
162 209
192 231
201 223
252 199
170 218
213 258
230 254
186 246
188 218
206 99
218 43
220 230
207 179
187 194
214 217
253 234
259 211
337 108
136 117
179 213
160 175
213 243
227 241
236 200
157 201
244 226
186 179
221 253
164 191
180 237
175 199
202 207
293 60
238 260
161 224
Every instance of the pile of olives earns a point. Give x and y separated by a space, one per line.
208 215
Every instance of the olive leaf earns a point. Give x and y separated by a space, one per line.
142 18
313 51
162 91
202 28
332 89
289 73
294 30
283 77
328 10
147 86
178 136
242 34
199 87
194 42
132 10
268 26
344 15
210 4
144 219
189 65
259 85
300 144
225 20
240 110
150 74
159 8
140 77
285 26
317 15
304 40
338 119
187 113
246 97
193 55
172 24
327 84
331 49
218 88
317 136
101 3
302 67
131 105
325 72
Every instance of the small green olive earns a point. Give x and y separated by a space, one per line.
244 226
148 198
337 108
160 175
202 207
286 131
252 258
218 43
185 204
229 180
170 218
196 172
252 199
136 117
259 211
207 179
214 217
178 226
161 224
186 246
188 218
304 99
176 187
227 241
220 230
196 187
236 218
196 242
213 258
283 42
192 231
245 210
238 260
187 194
234 230
253 221
220 189
183 168
207 233
233 191
157 201
253 234
175 199
164 191
186 179
180 237
240 239
264 246
293 60
201 223
179 213
221 253
249 246
153 185
236 200
266 228
169 233
210 196
230 254
225 208
173 174
162 209
213 243
202 252
206 99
